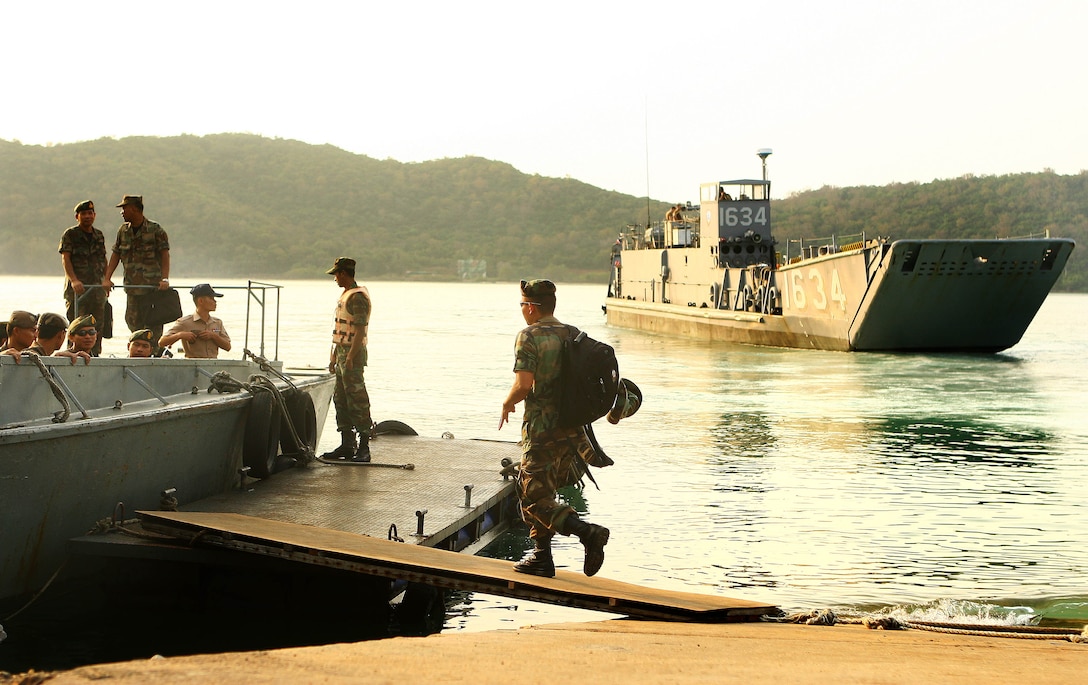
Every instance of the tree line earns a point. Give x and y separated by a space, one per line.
240 205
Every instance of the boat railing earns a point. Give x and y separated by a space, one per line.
808 248
662 234
1044 234
258 303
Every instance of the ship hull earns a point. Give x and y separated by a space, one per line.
123 445
909 295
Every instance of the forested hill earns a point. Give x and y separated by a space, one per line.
240 205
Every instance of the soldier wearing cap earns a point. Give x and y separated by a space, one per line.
52 330
347 360
552 457
82 335
144 248
141 343
83 257
22 330
201 334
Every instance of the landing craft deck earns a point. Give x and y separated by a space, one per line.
415 486
340 516
408 474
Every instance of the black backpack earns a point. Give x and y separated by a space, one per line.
590 380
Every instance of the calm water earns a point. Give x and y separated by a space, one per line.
941 485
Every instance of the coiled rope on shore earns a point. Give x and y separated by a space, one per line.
827 617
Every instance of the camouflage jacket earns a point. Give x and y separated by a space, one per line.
539 349
140 248
88 253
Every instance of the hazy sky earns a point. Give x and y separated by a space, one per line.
622 95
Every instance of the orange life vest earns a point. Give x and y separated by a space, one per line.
344 329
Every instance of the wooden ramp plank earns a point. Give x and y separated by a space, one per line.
446 569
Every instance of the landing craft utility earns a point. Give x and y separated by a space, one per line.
715 271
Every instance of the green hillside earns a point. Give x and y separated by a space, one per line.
245 206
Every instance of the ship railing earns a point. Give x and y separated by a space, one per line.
659 234
257 311
1045 234
807 248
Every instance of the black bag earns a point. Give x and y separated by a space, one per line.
107 321
163 306
590 380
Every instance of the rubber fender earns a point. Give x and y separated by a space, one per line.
262 435
301 413
392 427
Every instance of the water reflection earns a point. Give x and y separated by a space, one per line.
955 440
743 434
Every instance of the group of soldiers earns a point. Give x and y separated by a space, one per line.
552 457
143 248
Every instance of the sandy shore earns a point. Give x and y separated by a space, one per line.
627 652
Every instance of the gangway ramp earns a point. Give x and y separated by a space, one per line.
445 569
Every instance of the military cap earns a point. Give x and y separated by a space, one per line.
21 319
85 320
204 290
49 319
628 400
537 288
137 200
341 264
142 334
84 206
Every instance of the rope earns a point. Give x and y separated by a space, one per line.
826 617
61 416
40 592
223 382
266 366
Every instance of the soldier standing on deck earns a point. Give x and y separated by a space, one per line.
83 255
551 457
347 360
144 248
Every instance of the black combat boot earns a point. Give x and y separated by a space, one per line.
538 562
592 537
347 447
363 453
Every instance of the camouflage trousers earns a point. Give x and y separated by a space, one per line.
350 398
137 312
544 469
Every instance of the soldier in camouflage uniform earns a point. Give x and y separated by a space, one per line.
144 248
83 256
552 457
348 360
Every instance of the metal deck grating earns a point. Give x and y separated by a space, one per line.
368 499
